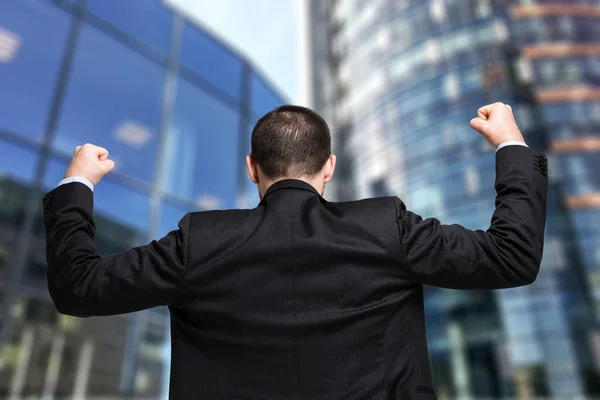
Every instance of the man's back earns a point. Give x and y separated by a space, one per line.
298 298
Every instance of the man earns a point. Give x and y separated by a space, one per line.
299 298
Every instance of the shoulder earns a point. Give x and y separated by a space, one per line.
385 201
216 227
232 216
385 206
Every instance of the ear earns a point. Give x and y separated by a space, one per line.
329 168
252 169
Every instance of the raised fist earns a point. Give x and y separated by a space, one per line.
497 124
90 162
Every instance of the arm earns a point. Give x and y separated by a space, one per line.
81 283
509 252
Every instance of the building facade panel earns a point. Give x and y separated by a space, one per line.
172 105
113 99
32 34
147 21
408 77
202 55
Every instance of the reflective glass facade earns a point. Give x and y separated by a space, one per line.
174 106
401 83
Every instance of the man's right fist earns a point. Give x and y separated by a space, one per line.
497 124
90 162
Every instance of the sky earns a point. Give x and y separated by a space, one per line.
266 32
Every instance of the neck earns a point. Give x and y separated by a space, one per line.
313 181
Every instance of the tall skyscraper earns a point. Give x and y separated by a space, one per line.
403 79
174 106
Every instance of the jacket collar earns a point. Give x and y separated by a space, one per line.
290 184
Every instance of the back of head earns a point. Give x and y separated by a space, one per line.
291 142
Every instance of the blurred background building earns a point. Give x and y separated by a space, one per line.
399 81
174 106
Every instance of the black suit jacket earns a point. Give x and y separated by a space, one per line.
299 298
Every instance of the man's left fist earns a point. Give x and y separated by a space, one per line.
90 162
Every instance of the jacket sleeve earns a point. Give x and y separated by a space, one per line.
507 254
82 283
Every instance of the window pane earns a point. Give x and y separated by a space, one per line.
204 56
587 221
32 41
252 198
113 100
17 169
590 252
249 127
249 197
263 98
55 171
123 205
202 149
17 163
113 201
170 215
145 20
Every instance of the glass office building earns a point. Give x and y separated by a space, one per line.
175 108
400 81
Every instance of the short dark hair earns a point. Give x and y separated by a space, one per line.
290 142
